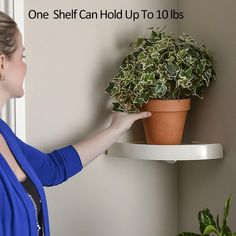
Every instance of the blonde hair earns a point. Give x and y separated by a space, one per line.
8 32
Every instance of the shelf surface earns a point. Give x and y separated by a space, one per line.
169 153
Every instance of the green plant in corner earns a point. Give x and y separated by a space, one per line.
162 66
210 227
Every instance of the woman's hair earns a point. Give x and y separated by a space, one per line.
8 33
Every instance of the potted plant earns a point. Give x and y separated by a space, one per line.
208 226
161 74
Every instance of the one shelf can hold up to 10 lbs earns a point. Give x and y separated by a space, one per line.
169 153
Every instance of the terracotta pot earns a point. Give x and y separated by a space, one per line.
166 125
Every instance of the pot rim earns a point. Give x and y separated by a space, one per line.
168 105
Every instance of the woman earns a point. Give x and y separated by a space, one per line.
24 170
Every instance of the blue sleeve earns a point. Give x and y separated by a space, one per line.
55 167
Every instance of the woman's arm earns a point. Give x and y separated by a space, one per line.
91 148
56 167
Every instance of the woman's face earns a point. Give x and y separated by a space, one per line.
15 71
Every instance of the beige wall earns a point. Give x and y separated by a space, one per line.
69 65
208 183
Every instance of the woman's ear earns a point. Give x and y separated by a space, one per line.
2 66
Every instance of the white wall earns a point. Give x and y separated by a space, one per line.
208 183
69 65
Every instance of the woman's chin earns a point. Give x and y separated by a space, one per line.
20 94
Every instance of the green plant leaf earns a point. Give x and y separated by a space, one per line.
203 63
226 231
142 57
182 53
115 90
209 229
155 55
148 79
205 219
208 225
138 42
109 88
154 34
190 59
184 83
141 100
186 74
188 234
172 69
117 107
226 210
218 223
159 90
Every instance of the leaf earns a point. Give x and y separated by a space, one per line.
154 34
226 210
155 55
184 83
138 42
186 74
115 90
117 107
147 64
160 90
141 99
170 59
172 69
217 223
182 53
190 59
188 234
209 229
142 57
148 79
109 88
145 98
205 219
203 62
226 231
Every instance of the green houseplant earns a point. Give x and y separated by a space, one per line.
161 68
208 226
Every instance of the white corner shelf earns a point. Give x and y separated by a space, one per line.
169 153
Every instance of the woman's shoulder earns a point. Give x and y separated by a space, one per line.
4 127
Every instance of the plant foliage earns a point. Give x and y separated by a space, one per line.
162 66
211 227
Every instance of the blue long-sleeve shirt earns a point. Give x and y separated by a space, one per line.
17 213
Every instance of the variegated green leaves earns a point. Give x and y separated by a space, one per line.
162 66
210 227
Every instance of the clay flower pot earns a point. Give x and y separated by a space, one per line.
166 125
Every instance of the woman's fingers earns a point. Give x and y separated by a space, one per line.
123 121
141 115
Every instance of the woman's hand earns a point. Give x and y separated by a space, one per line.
123 121
92 147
